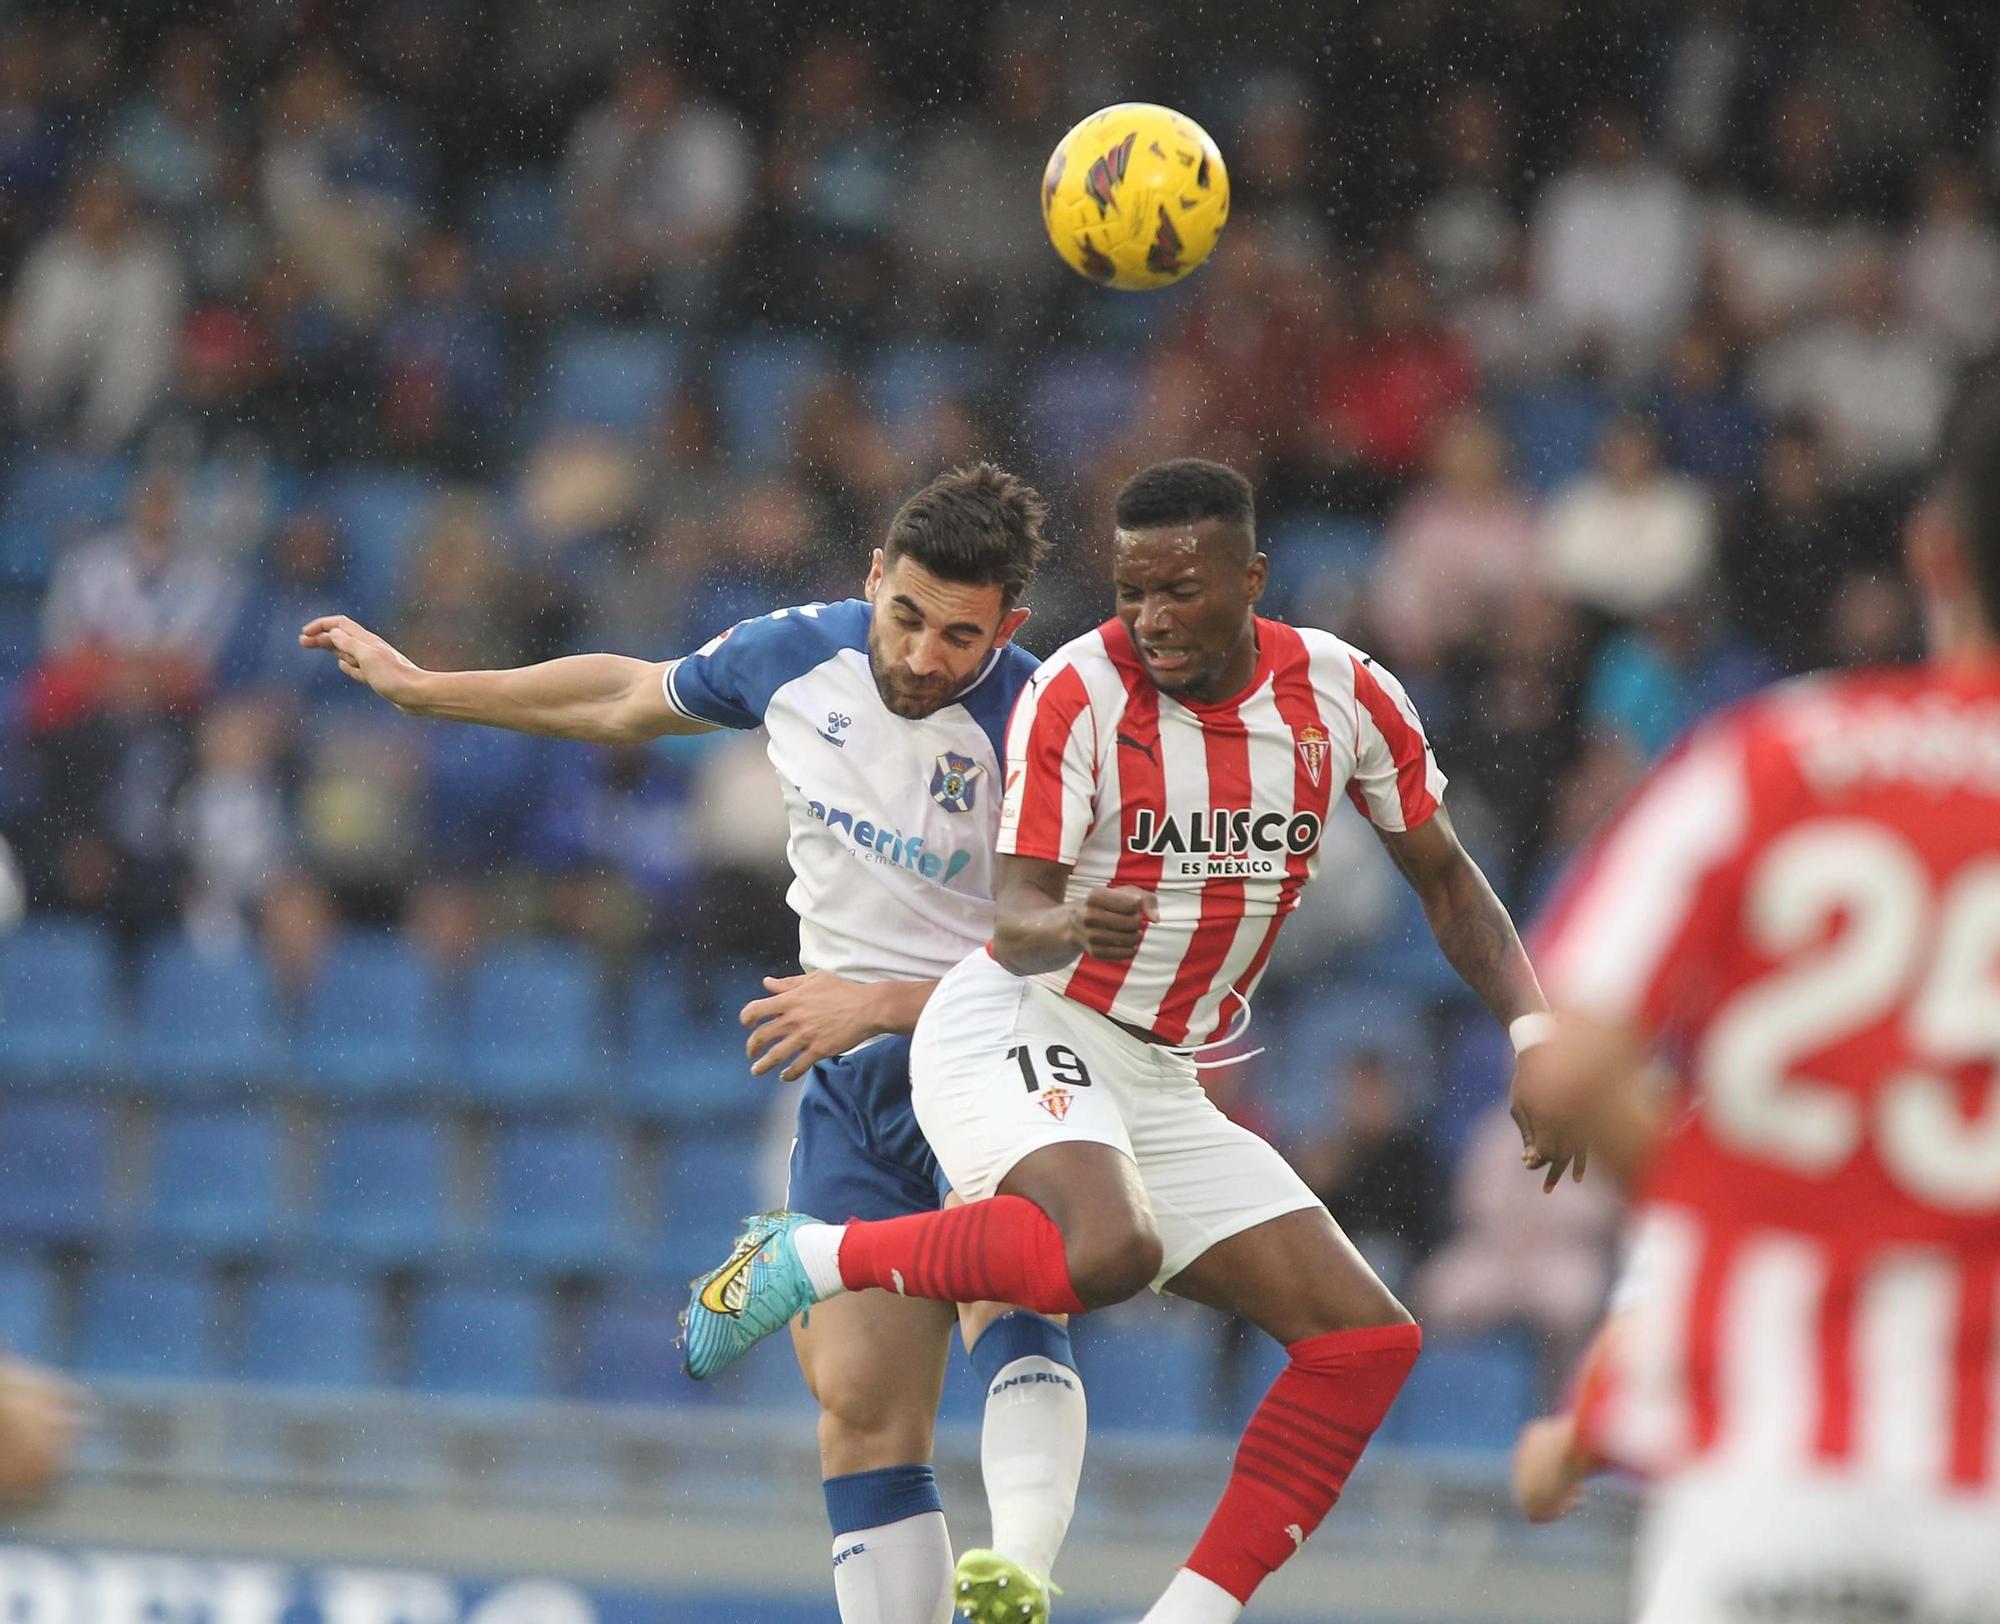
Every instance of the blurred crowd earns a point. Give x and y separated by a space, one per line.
1586 360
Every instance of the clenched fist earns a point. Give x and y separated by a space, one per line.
1109 921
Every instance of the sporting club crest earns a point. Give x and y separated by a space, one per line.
1312 751
1055 1101
954 781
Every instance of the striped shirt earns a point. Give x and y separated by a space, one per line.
1217 809
1803 904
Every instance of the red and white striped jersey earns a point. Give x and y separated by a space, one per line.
1216 809
1804 904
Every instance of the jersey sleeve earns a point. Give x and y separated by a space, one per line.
1647 906
1397 783
1051 769
729 680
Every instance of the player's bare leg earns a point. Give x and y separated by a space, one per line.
1299 1279
875 1365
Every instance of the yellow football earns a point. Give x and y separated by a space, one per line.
1135 196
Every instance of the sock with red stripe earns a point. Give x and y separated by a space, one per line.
1292 1464
1002 1250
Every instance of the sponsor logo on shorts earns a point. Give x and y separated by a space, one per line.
1055 1101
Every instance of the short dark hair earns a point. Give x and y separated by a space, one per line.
1185 490
977 525
1974 477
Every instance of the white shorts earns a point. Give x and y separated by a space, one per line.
1001 1066
1726 1547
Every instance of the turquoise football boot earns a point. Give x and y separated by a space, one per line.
759 1289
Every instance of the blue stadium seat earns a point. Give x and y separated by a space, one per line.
155 1322
535 1031
383 1192
1075 403
907 381
54 499
27 1309
380 513
555 1199
1153 1378
629 1354
20 632
217 1177
372 1027
59 1011
305 1331
685 1068
610 377
1465 1394
710 1184
760 383
1554 432
516 222
478 1340
55 1169
207 1018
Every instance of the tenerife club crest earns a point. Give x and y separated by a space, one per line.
1312 751
954 781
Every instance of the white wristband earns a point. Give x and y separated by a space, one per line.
1525 1031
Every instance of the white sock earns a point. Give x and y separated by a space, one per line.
899 1573
1191 1599
1031 1453
819 1251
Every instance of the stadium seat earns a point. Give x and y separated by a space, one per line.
1465 1393
303 1331
383 1193
372 1027
27 1309
1554 433
617 378
535 1032
760 383
216 1181
207 1018
1152 1378
905 382
152 1322
380 513
516 222
555 1198
710 1184
59 1009
55 1169
479 1340
1075 403
629 1353
684 1067
53 500
20 632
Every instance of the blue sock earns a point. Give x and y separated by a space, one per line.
891 1554
1019 1335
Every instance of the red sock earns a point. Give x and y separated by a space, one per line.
1004 1250
1298 1449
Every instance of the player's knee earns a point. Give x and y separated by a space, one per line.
870 1425
1109 1264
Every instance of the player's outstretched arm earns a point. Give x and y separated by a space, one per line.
1475 932
598 698
1035 927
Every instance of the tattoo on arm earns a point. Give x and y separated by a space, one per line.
1472 928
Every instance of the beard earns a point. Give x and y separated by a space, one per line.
907 696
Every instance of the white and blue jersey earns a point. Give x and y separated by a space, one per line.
892 824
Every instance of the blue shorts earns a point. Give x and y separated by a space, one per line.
859 1152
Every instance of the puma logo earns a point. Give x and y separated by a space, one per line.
896 1279
1143 748
1298 1536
